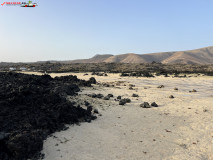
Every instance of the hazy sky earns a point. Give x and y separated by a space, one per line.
73 29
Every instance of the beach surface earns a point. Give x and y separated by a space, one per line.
180 128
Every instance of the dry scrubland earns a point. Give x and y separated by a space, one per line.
127 67
55 67
180 128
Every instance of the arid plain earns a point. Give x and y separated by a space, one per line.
180 128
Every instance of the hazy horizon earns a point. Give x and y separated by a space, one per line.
82 29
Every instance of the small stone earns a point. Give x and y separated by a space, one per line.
171 96
99 96
205 110
86 103
154 104
96 111
106 85
127 100
92 80
130 88
93 95
131 85
175 89
145 105
161 86
122 102
119 97
135 95
194 90
110 95
106 98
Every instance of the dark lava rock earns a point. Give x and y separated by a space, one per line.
89 108
92 80
171 96
124 74
93 95
131 85
86 103
145 105
106 85
127 100
161 86
110 95
135 95
130 88
33 107
193 90
106 98
66 89
119 97
154 104
99 96
122 102
96 111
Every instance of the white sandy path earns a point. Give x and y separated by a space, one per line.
180 129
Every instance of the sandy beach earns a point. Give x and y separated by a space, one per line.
180 128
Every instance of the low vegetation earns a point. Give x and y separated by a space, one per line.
143 69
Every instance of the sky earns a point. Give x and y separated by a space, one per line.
78 29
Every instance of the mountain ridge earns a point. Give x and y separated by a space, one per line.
196 56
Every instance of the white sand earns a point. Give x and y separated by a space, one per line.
179 129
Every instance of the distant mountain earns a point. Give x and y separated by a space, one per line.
96 59
197 56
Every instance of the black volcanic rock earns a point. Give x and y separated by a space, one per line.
145 105
154 104
119 97
92 80
32 107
